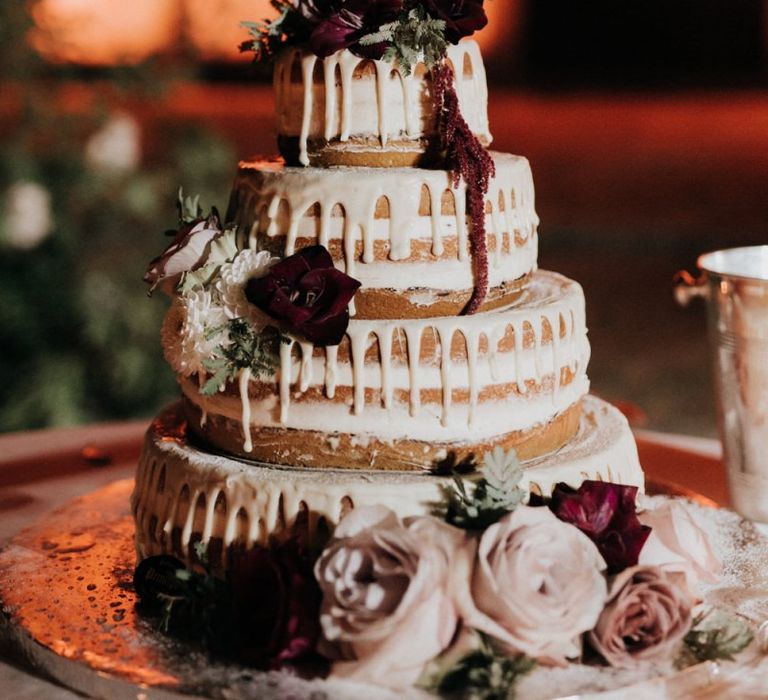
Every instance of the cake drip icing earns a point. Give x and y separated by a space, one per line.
398 105
264 191
545 369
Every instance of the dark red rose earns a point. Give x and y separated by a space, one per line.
462 17
344 28
276 602
308 294
607 514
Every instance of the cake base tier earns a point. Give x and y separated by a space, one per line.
185 495
75 618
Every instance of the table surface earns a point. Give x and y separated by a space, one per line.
42 470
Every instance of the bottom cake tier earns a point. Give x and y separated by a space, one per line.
184 495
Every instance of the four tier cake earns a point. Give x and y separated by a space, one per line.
367 316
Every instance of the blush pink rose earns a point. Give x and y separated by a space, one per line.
647 615
538 585
389 594
678 544
189 251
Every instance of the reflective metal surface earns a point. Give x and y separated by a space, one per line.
735 284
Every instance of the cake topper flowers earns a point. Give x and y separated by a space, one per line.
403 30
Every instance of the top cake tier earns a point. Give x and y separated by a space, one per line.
347 110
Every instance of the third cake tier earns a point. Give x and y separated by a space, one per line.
402 232
404 394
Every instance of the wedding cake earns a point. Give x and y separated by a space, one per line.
366 318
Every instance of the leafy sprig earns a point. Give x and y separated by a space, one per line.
246 349
415 37
482 674
269 35
189 208
496 493
714 636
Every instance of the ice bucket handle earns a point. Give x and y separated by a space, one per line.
688 287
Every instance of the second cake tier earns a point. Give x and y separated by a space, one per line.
404 394
402 232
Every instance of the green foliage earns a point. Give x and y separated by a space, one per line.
714 636
199 612
244 349
414 37
269 35
483 675
495 494
79 341
189 208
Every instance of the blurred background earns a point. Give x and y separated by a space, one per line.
646 123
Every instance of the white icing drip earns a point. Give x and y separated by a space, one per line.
385 351
307 69
245 377
358 337
445 332
285 380
413 335
357 190
473 348
382 73
329 68
384 106
306 366
435 203
331 363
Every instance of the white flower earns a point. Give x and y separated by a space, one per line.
234 276
186 328
116 147
27 215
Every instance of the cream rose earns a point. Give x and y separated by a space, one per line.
389 590
677 543
537 586
647 614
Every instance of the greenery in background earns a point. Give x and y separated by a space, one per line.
79 340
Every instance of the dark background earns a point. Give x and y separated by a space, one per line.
646 124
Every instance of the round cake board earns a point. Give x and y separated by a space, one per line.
70 609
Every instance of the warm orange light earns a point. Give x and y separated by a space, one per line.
502 21
103 33
213 28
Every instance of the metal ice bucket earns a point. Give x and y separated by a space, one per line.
735 284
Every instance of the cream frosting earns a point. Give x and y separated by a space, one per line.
263 191
196 495
388 105
551 307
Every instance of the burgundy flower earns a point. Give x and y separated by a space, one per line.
344 28
606 513
308 294
462 17
276 601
